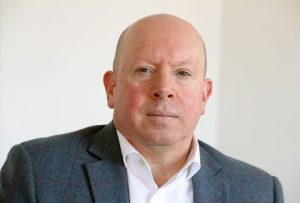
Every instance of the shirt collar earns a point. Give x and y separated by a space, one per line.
126 148
192 163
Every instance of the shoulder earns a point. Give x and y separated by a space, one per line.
67 141
229 165
57 148
85 133
42 165
244 180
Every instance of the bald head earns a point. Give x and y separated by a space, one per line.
162 28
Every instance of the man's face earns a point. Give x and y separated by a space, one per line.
159 91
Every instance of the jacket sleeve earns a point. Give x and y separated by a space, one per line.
16 177
278 193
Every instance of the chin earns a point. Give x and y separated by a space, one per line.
165 138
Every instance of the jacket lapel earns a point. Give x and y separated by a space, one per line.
108 176
207 186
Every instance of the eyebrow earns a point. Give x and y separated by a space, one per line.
176 63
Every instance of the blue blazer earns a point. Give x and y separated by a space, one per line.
87 166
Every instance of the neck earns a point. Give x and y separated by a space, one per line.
166 161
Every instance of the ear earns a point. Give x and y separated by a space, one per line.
109 84
206 92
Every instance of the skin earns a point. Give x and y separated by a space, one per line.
158 90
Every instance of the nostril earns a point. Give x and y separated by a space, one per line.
162 94
156 94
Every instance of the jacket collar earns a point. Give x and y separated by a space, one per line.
108 176
207 184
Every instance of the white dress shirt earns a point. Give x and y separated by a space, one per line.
142 187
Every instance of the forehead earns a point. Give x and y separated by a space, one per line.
157 45
174 53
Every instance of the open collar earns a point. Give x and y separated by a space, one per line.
108 176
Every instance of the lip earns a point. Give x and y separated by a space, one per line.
162 114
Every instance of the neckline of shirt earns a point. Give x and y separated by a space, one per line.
192 164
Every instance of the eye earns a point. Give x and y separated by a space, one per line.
184 73
144 70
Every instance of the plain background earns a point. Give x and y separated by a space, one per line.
53 54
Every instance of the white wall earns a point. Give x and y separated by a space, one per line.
259 80
54 53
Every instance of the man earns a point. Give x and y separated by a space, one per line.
148 153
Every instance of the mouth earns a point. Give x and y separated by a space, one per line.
162 115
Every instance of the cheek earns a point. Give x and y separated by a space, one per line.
131 97
192 103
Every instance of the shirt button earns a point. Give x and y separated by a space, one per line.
142 163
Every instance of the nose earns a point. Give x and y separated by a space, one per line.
162 94
163 87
